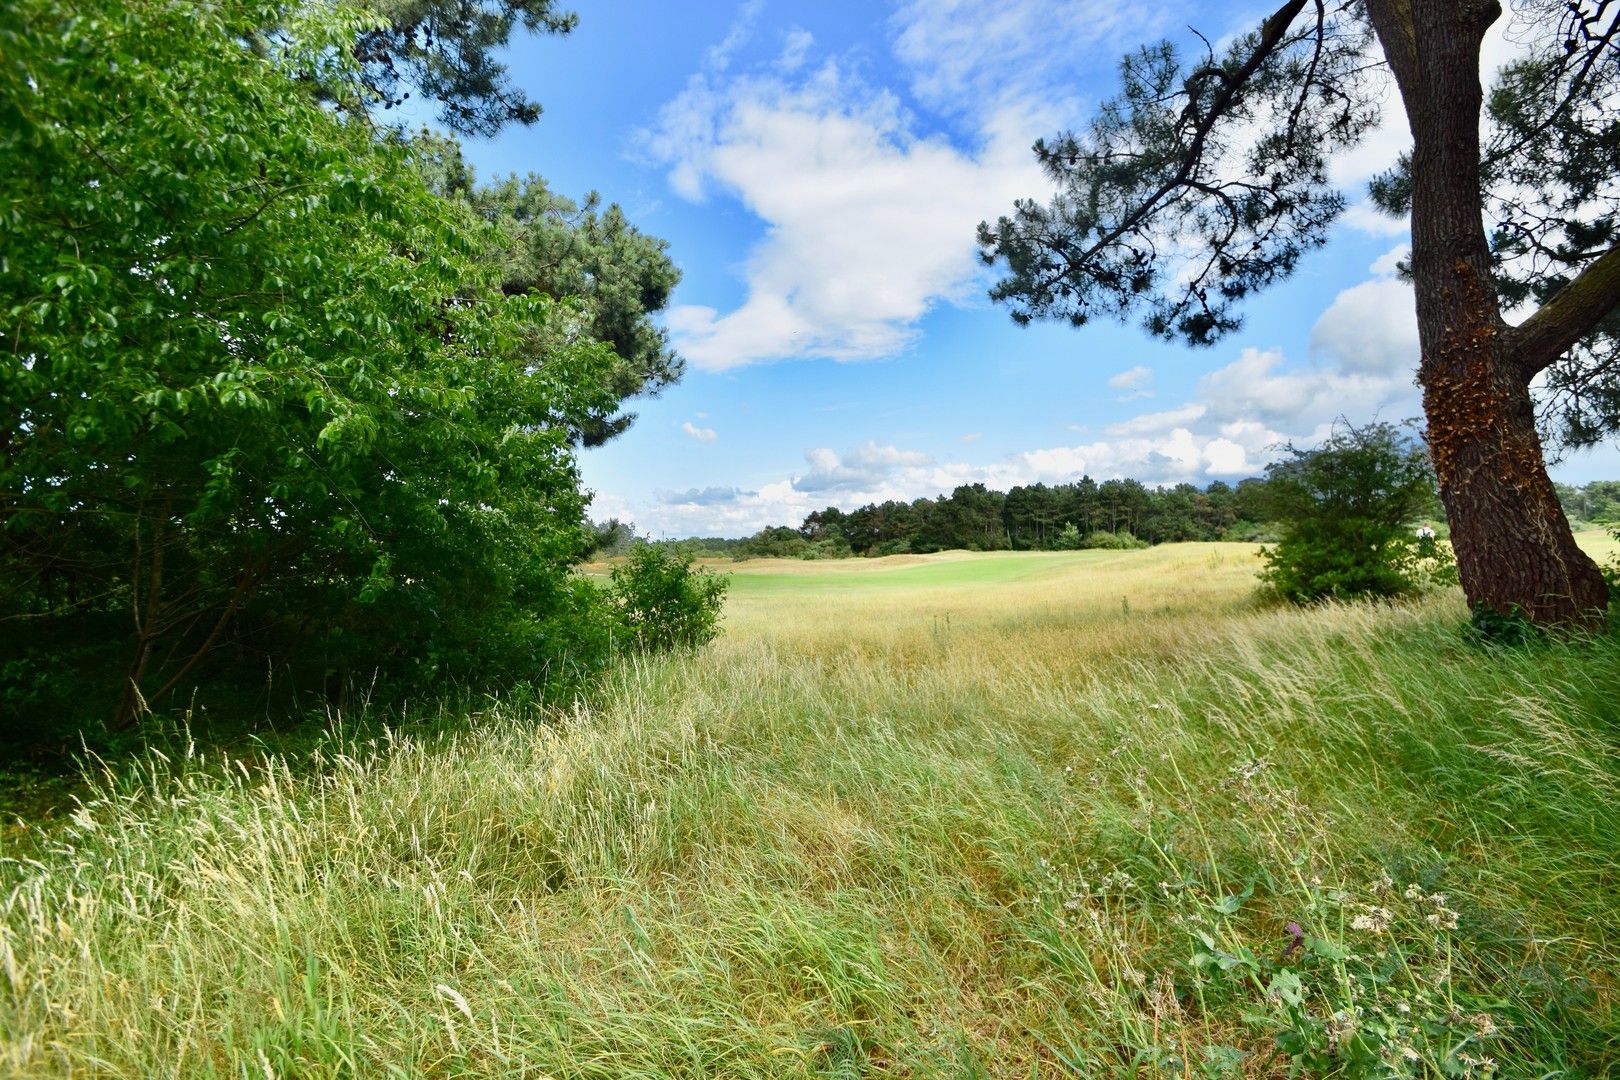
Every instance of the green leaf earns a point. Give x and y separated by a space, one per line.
1327 949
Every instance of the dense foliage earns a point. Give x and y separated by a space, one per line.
663 601
268 410
1346 509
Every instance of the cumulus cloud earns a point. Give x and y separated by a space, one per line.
868 212
701 434
1371 329
861 469
1167 456
1389 263
868 224
1261 386
1363 216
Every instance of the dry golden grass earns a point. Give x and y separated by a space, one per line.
906 818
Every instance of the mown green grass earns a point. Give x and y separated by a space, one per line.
996 816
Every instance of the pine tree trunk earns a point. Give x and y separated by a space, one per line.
1515 551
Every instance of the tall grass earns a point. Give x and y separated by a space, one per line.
1110 825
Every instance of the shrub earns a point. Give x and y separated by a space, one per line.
1068 538
829 547
1343 510
664 602
1113 541
1611 569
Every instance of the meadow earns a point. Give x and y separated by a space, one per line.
1006 815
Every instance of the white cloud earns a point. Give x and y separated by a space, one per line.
864 468
1389 263
1148 423
973 436
742 28
967 55
709 496
1134 381
868 225
795 48
1259 386
1370 329
1365 217
869 215
701 434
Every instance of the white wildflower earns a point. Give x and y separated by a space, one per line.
1374 919
1444 919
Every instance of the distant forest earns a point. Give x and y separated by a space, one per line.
1059 517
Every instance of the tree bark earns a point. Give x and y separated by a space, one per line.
1515 551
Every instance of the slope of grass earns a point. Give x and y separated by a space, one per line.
1011 816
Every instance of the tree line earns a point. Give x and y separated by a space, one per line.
1596 503
1119 513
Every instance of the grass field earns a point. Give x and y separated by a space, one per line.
1014 815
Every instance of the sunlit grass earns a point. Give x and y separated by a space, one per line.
1009 816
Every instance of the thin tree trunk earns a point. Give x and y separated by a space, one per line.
1515 551
147 619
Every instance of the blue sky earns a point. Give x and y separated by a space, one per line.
818 170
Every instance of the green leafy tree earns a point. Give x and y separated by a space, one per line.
615 277
1206 181
1346 510
262 399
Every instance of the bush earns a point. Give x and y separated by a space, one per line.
1611 569
1344 510
1068 538
1113 541
664 602
829 547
